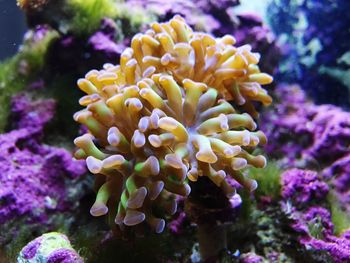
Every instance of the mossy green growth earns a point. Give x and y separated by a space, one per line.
22 69
340 218
87 14
268 180
316 228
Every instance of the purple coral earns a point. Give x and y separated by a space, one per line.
303 186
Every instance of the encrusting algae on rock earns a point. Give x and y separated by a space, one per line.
162 117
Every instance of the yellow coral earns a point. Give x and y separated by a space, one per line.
153 125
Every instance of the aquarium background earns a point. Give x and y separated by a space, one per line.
300 210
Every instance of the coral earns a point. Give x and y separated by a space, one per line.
302 187
304 202
252 30
158 118
50 247
315 136
233 71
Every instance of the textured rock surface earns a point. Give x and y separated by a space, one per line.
33 174
49 248
302 187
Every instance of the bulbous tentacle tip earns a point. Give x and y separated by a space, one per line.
160 226
253 185
133 217
154 165
94 165
206 157
98 209
136 199
187 190
238 163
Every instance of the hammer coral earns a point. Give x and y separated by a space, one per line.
159 119
173 47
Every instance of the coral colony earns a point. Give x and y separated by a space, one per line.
162 117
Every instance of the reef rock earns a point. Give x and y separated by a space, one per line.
49 248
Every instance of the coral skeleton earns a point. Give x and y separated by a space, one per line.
161 118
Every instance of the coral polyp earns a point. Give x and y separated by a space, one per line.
150 130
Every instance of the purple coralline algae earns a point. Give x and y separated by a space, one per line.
176 225
339 173
287 125
304 197
316 232
309 135
28 114
298 128
302 186
331 133
104 40
33 174
251 258
51 248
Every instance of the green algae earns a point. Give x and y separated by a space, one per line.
22 69
268 180
87 14
340 218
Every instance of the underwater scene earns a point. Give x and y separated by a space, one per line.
169 131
